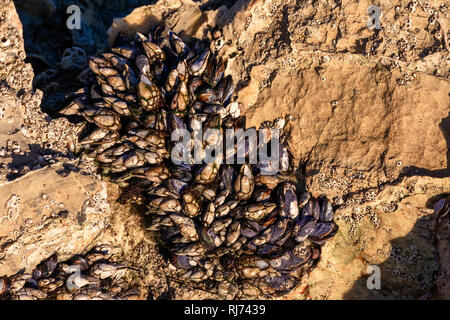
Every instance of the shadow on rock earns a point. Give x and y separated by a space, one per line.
38 157
444 125
234 7
58 54
413 266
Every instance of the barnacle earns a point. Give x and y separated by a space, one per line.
233 228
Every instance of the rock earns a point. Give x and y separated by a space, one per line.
45 213
393 232
51 203
184 16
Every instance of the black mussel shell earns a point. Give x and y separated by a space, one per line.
323 231
292 258
304 227
281 284
184 262
326 210
269 250
45 268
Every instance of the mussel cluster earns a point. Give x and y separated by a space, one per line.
239 229
93 276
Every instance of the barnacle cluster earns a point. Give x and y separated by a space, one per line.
93 276
240 229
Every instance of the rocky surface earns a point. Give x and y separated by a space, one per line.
47 205
370 129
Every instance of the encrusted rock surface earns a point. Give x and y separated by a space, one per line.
47 205
45 213
370 129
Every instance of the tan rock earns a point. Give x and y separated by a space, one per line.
45 213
